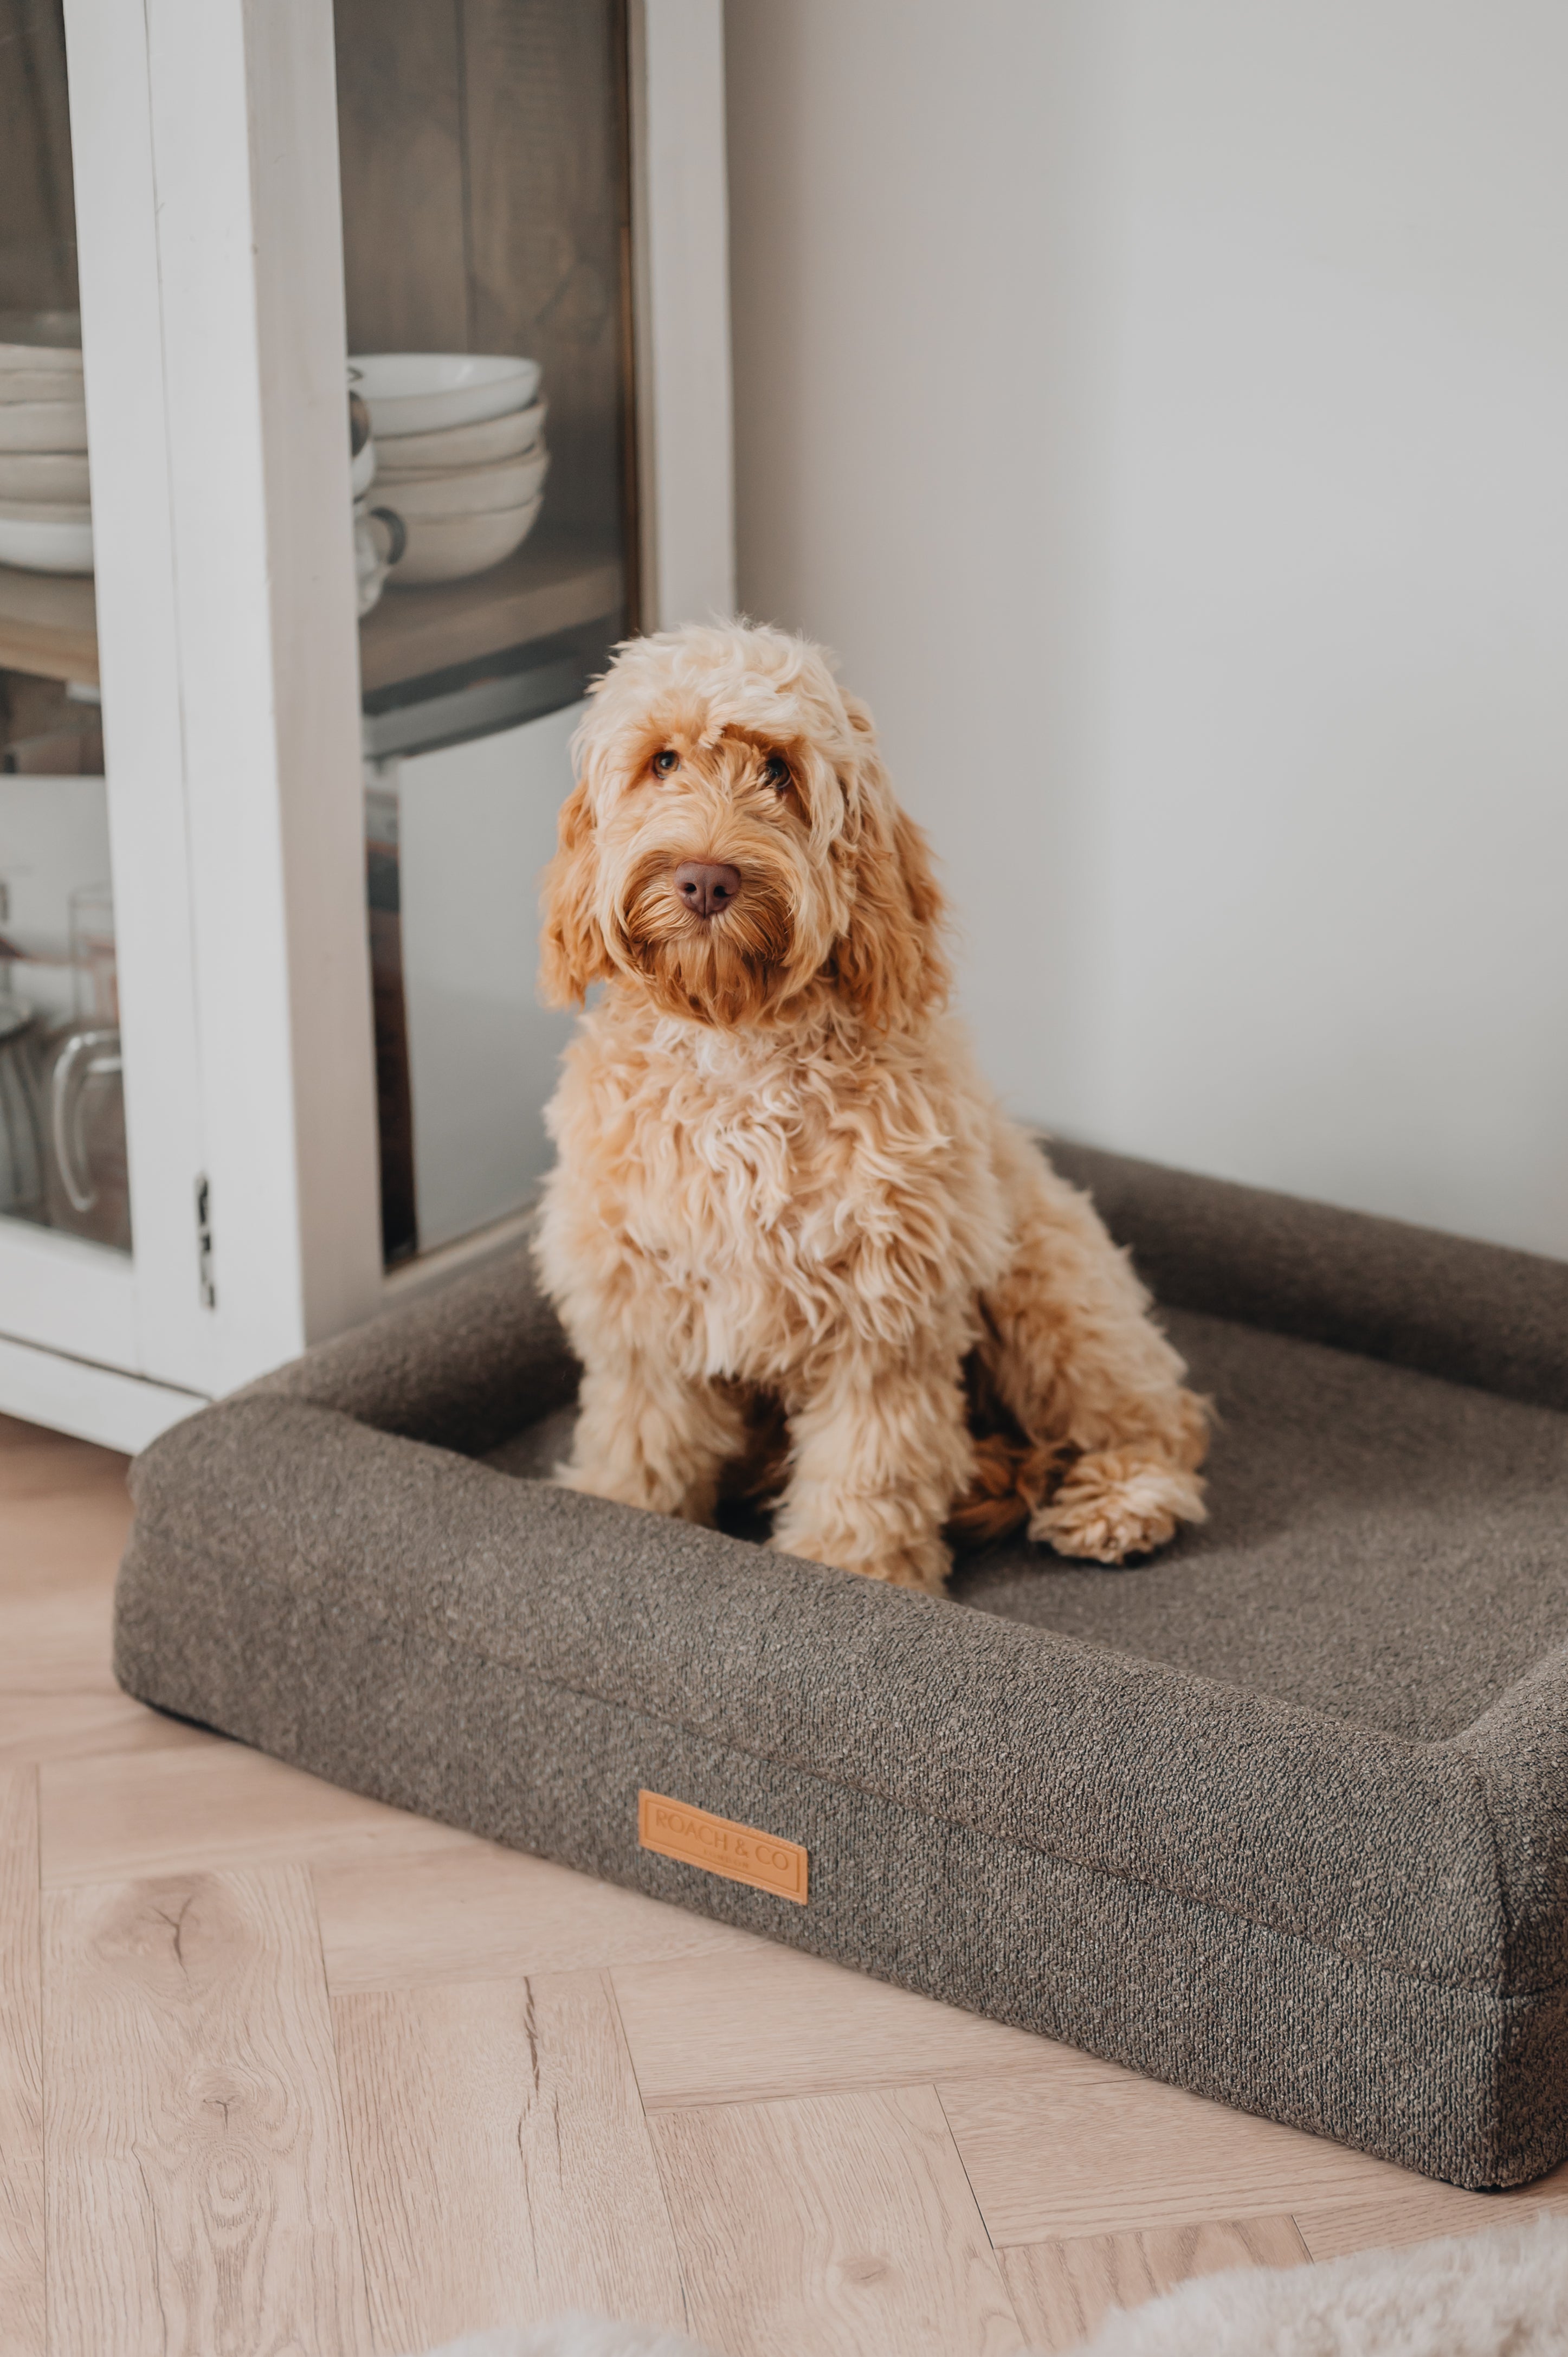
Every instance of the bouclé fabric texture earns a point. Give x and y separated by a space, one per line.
1280 1816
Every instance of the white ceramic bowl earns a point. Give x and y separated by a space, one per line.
449 548
43 475
467 491
43 425
416 392
41 339
362 469
484 445
44 539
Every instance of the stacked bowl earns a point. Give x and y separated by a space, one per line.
459 456
46 517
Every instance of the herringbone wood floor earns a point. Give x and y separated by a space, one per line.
282 2069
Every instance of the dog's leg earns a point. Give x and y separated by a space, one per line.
879 1451
646 1437
1075 1354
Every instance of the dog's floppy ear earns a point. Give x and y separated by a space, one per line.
889 960
572 950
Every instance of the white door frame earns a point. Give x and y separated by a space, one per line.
205 139
141 1316
206 163
681 265
249 249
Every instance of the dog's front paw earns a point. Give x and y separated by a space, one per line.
924 1565
1114 1503
634 1488
591 1482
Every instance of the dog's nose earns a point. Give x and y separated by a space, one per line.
706 887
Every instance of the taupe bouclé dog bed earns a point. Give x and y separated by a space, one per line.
1281 1816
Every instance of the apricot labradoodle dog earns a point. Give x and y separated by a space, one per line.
795 1242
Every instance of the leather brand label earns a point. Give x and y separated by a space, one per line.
739 1853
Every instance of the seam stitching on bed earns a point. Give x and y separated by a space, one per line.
1488 1819
1395 1969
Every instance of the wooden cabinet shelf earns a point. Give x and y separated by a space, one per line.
48 620
545 587
48 625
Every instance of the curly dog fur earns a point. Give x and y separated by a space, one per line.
785 1202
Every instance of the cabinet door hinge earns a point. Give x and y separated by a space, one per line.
205 1286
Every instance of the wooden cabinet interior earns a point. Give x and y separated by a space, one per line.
48 625
485 186
47 621
484 152
37 214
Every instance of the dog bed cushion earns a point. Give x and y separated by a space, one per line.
1281 1816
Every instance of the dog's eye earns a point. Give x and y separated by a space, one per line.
664 762
775 772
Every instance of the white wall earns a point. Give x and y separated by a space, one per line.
1163 407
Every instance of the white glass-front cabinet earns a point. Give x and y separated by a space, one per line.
363 376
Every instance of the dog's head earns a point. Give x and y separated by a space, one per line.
733 846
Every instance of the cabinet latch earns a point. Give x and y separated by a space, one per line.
205 1284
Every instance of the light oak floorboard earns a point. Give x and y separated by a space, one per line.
53 1644
64 1512
65 1545
173 1812
481 1911
501 2159
1422 2213
58 1695
841 2224
21 2071
200 2201
1060 2145
37 1463
1050 2158
85 1725
1063 2291
693 2030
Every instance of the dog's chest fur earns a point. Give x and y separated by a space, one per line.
760 1195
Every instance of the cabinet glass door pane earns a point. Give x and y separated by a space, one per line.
62 1118
487 257
485 235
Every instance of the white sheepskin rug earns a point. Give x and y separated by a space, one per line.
1497 2294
